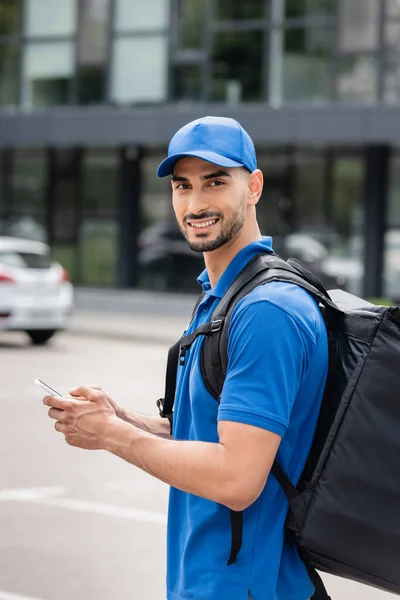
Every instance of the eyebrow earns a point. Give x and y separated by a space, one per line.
205 177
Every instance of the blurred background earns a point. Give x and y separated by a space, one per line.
92 90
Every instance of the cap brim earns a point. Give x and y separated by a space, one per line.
167 166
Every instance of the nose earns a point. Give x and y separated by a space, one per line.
198 203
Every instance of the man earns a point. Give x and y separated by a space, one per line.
220 453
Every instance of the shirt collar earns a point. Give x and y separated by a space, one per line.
235 266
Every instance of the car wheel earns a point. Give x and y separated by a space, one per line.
40 337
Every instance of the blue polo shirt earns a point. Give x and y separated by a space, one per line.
276 375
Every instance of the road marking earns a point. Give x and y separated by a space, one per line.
53 496
104 509
31 494
8 596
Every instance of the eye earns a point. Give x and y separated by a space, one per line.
217 183
182 186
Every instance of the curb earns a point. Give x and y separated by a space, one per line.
120 326
122 337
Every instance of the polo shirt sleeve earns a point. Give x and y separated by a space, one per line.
267 356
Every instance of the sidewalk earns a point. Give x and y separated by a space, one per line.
131 315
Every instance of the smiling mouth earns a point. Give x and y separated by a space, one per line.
203 224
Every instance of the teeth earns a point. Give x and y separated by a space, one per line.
201 225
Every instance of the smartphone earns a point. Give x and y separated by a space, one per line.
48 389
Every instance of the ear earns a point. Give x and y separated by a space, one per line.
255 184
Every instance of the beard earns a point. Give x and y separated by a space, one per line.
228 231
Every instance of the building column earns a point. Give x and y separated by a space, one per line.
377 160
129 217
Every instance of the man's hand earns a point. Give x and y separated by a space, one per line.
151 423
96 386
83 418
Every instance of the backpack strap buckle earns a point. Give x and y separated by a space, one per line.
206 329
216 325
160 405
161 409
182 354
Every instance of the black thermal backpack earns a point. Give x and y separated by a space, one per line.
344 514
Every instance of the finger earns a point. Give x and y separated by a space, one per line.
86 392
94 386
55 413
60 427
57 402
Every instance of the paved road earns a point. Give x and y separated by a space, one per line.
78 524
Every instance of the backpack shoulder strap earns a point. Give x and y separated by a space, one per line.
165 405
320 589
262 269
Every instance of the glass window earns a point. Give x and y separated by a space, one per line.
48 70
9 17
139 72
310 178
46 17
237 66
192 21
394 193
346 256
155 193
391 93
9 74
393 8
392 77
187 82
91 85
67 256
392 33
250 9
92 50
298 9
100 190
391 281
358 25
296 192
28 181
65 218
65 195
357 79
93 32
306 65
392 237
141 15
99 251
274 205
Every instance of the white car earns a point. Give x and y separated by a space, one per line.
35 293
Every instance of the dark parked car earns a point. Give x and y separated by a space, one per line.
165 260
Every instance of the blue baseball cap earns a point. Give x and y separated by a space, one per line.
218 140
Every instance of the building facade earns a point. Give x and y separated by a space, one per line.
92 90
